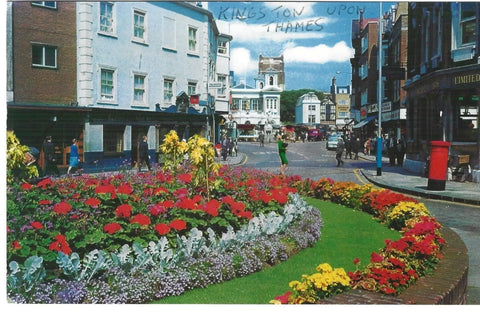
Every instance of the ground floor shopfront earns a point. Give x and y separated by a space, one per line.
443 105
108 139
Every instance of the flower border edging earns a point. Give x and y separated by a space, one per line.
447 284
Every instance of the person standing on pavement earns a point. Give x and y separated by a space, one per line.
339 152
401 148
282 152
367 146
74 158
348 147
356 146
143 152
392 149
261 139
224 144
50 166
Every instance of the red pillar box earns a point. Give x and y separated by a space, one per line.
437 172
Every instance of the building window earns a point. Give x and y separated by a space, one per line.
235 104
169 33
365 43
168 91
467 22
311 119
312 107
192 39
222 79
222 47
107 84
139 30
113 138
245 104
139 89
254 104
106 18
465 117
44 56
192 88
45 4
270 80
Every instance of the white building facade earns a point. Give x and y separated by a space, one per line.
307 109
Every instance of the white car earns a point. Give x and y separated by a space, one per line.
332 142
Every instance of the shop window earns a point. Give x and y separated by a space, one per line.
465 128
113 139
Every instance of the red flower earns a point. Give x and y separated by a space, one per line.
44 202
141 219
60 245
93 202
376 258
185 177
111 228
123 210
284 297
37 225
178 224
62 208
162 229
16 245
125 189
44 183
26 186
160 190
104 189
356 261
227 199
212 207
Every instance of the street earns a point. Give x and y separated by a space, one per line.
313 160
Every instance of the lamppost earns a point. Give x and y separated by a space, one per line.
379 102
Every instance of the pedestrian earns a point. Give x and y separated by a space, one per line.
261 138
392 149
224 145
348 147
230 146
401 148
367 146
143 152
338 156
74 158
356 146
282 152
50 166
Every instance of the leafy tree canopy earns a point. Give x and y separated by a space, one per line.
288 101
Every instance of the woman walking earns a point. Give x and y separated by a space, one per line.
282 150
73 161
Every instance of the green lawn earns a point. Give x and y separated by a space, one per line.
346 234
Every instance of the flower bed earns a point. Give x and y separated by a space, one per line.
396 266
128 238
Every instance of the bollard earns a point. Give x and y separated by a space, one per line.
437 172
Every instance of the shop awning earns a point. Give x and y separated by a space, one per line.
364 122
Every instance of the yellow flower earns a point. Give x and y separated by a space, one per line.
325 267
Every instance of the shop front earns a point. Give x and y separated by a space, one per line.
443 106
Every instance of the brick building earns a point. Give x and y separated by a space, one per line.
443 80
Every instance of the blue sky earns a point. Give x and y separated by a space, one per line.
314 38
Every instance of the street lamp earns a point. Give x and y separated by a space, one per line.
379 101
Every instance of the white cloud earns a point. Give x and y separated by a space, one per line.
319 54
289 9
241 61
280 31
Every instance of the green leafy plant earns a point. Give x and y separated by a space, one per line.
17 169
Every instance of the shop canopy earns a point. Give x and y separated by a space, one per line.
364 122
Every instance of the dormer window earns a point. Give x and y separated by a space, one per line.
271 80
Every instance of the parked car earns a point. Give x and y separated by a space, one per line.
332 142
314 135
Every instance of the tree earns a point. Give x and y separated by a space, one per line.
288 101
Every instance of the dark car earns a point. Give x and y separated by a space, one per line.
315 135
